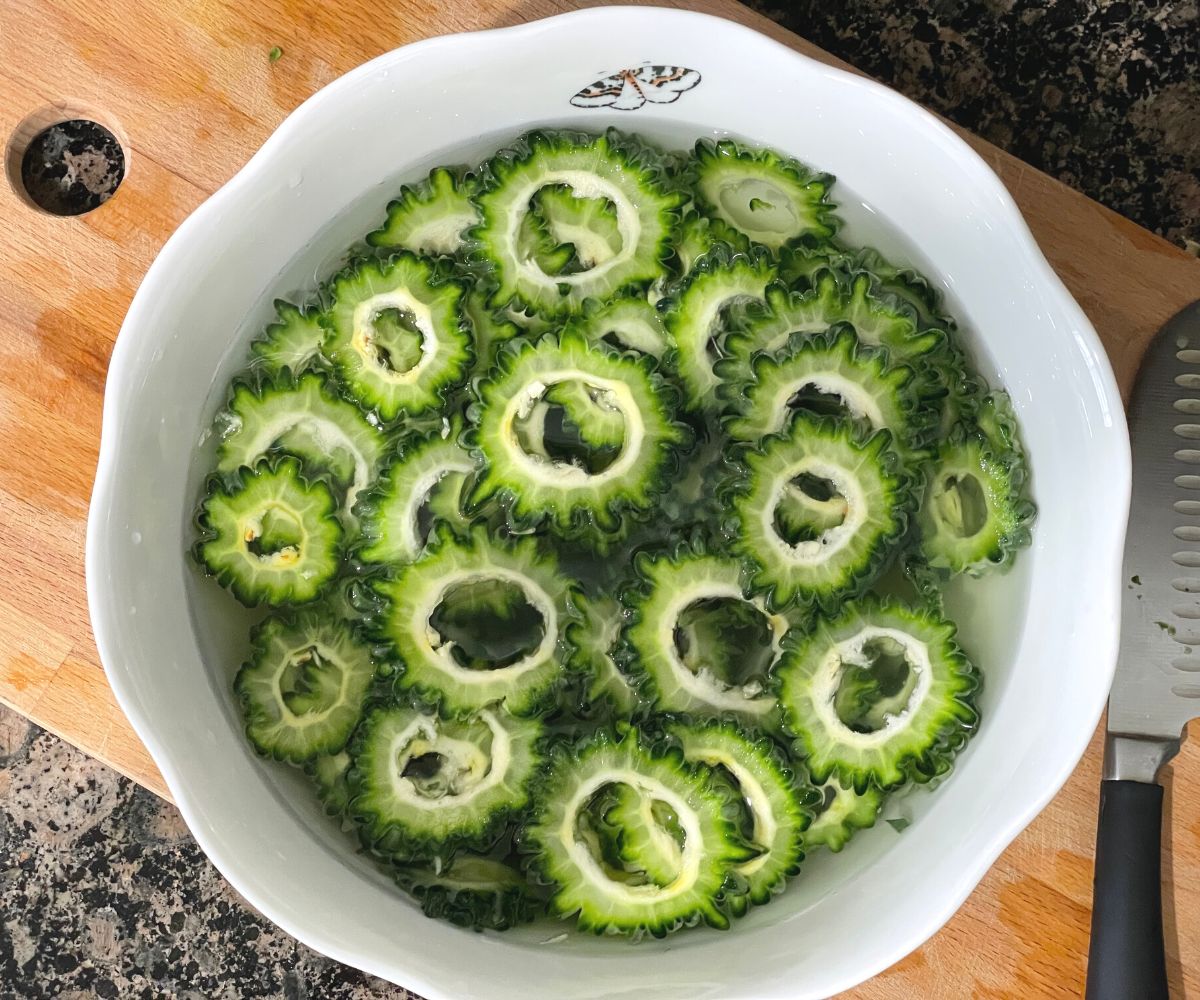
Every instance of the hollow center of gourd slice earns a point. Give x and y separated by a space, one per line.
489 623
757 205
573 423
727 638
566 232
810 398
808 507
960 505
277 532
448 763
870 693
310 683
396 339
634 839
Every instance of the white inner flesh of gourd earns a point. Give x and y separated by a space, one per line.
591 248
854 397
828 676
408 527
564 475
704 686
363 338
297 656
815 551
775 216
443 233
691 853
583 184
442 650
637 332
481 771
765 824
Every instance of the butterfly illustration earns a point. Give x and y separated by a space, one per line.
629 89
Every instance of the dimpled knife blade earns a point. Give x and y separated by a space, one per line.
1157 686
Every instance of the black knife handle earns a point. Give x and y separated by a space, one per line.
1126 960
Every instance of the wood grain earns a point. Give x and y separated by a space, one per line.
192 89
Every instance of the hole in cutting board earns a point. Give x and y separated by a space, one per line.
65 161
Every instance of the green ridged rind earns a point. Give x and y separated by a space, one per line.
472 891
640 843
418 472
847 812
598 424
920 744
720 170
414 591
328 774
543 158
489 328
414 285
759 405
430 217
574 503
303 417
234 504
697 313
785 574
395 819
594 638
324 713
877 319
290 345
698 235
667 584
598 903
762 775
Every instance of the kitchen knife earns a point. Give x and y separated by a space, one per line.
1157 686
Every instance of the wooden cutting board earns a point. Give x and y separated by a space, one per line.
192 90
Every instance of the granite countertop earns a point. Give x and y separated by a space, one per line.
102 891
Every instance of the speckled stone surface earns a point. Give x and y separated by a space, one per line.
1102 94
104 894
102 891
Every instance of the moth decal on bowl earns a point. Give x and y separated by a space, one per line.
629 89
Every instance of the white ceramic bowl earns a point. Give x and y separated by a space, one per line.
1045 634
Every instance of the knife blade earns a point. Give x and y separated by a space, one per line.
1156 690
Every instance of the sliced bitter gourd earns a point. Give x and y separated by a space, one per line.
270 535
778 805
696 317
302 690
877 320
587 224
566 494
594 639
690 680
840 813
431 217
389 514
596 168
698 235
817 372
292 343
433 663
646 836
423 785
771 199
609 900
328 774
600 423
380 311
841 559
471 891
304 419
973 517
918 741
489 328
628 322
